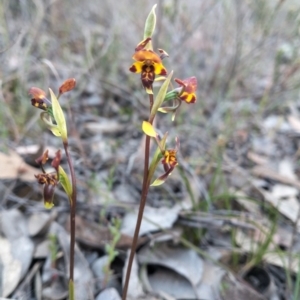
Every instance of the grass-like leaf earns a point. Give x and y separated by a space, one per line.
159 99
59 116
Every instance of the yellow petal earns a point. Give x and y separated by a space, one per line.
157 182
159 69
148 90
48 205
148 129
188 97
162 110
160 78
136 67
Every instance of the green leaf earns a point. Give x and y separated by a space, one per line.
59 116
157 157
48 121
150 23
65 181
148 129
159 99
157 182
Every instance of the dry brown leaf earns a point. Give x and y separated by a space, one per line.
154 219
251 240
13 167
248 204
237 290
185 262
12 268
257 158
38 223
83 277
266 172
34 149
294 122
168 283
210 284
109 294
284 199
135 289
282 260
284 195
96 236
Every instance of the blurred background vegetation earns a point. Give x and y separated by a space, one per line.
245 55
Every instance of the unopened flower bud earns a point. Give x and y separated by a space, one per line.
67 86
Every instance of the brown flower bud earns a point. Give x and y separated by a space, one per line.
48 195
67 86
42 159
56 160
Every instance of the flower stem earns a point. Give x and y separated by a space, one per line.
72 198
145 189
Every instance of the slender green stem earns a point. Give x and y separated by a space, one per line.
144 194
72 221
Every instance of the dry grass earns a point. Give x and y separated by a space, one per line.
230 46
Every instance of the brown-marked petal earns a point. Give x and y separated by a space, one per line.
144 55
160 180
136 67
163 54
56 160
37 93
170 158
43 158
188 98
147 77
39 103
39 99
41 178
159 69
143 44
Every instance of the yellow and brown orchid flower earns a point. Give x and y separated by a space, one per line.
169 162
188 92
39 98
149 64
49 180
